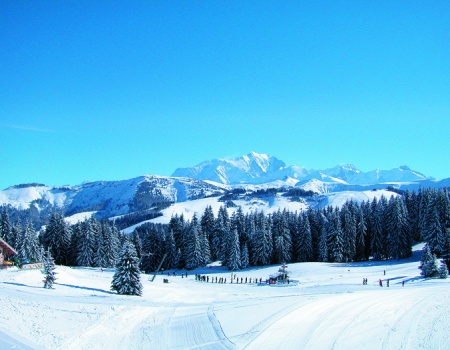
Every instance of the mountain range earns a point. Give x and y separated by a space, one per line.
209 183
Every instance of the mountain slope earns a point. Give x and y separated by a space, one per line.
110 198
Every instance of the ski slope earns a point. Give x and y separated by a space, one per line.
329 309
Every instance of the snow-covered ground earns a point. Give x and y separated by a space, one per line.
329 309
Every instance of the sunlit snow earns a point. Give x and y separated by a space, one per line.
329 309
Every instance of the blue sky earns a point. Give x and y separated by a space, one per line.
109 90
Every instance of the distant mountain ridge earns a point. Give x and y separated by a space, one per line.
213 182
256 168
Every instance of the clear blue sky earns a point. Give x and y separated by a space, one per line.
109 90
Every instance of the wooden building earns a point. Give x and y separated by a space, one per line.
5 251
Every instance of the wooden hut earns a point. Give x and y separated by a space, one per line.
5 251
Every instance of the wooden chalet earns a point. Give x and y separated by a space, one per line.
5 251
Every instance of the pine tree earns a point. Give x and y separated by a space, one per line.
348 233
443 270
335 239
281 238
85 256
398 239
428 264
49 270
245 260
323 240
5 227
360 241
432 225
194 256
304 246
234 253
377 242
127 279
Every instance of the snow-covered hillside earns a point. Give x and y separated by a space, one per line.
330 308
110 198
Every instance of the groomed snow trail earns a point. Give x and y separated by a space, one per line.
195 327
378 320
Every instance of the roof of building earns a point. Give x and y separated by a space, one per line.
7 249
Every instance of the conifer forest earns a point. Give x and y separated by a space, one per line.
378 229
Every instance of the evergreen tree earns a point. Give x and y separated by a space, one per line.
428 264
281 238
377 242
245 260
86 248
443 270
194 256
323 240
5 227
304 246
433 227
49 270
398 239
335 239
127 279
170 250
348 233
234 253
360 241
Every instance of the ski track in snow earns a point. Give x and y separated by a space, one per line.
347 321
329 309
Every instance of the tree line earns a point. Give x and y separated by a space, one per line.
384 228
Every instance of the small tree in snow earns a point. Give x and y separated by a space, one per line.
127 279
428 264
443 271
49 270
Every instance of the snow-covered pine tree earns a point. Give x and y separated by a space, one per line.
127 278
335 239
304 247
398 239
360 241
49 270
57 238
234 252
34 248
5 226
348 233
194 255
85 256
207 223
244 256
377 241
431 231
428 264
281 238
323 240
443 270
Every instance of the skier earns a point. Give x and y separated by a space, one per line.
381 283
403 283
387 283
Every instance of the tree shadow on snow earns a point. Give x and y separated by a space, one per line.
85 288
21 285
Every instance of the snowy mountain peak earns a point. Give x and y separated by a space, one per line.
251 168
258 168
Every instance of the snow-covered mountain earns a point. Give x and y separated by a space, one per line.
254 177
255 168
110 198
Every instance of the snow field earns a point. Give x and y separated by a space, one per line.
329 309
